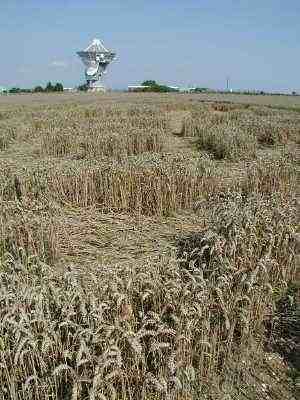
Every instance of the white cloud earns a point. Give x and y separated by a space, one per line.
59 64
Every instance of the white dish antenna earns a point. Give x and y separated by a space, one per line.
96 59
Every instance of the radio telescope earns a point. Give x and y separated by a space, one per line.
96 58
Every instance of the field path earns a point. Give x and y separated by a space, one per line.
176 120
175 142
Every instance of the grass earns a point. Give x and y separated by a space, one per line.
131 269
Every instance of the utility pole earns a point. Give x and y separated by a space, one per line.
227 84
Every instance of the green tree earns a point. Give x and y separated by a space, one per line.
83 88
49 87
58 87
38 89
153 86
149 83
14 90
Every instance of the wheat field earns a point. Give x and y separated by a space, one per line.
149 250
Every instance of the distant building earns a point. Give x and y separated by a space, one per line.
3 90
137 88
70 89
186 90
200 90
175 88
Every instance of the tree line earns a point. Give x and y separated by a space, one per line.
58 87
153 86
49 88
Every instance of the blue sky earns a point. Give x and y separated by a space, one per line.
180 42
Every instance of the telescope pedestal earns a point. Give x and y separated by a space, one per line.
98 89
